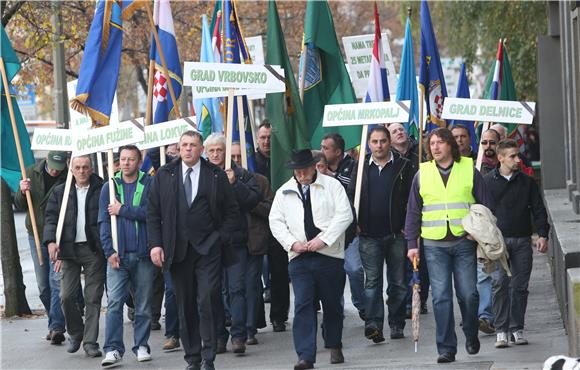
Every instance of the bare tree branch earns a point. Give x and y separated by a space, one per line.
8 12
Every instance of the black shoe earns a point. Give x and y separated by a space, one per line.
336 356
279 326
238 346
409 313
155 325
485 326
267 296
73 345
445 358
397 333
472 345
207 365
195 366
93 351
374 334
57 337
424 310
131 314
303 364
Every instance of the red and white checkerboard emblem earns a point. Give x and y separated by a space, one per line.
160 87
438 105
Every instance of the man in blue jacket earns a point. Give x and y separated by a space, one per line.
130 266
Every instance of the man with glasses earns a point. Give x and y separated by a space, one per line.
489 142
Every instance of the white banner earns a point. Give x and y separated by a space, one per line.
166 133
52 139
202 92
256 49
109 137
359 50
365 113
483 110
264 78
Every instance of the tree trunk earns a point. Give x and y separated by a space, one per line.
14 288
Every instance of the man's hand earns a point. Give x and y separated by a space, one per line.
57 265
231 175
53 251
114 208
157 256
315 244
114 261
299 247
542 245
24 185
412 254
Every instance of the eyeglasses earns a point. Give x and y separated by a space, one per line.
490 142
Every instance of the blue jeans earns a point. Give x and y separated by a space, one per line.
356 274
48 283
171 313
314 276
236 285
136 273
457 265
373 251
484 289
253 273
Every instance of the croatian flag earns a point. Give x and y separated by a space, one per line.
162 103
496 83
378 88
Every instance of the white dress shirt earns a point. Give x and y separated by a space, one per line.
372 160
194 176
81 235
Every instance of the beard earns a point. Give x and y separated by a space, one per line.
489 153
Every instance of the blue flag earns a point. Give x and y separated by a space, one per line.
235 51
431 79
463 92
99 70
209 117
407 87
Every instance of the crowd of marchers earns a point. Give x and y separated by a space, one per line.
215 243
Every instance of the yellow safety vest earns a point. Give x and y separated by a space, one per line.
445 204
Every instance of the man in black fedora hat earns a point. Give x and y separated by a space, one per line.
309 216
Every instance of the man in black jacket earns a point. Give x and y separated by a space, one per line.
385 188
517 201
247 195
191 215
79 248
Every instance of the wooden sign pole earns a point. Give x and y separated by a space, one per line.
229 129
361 164
242 131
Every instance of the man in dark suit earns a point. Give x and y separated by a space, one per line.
189 227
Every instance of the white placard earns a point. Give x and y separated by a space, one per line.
234 76
366 113
79 120
359 50
202 92
166 133
52 139
256 49
104 138
484 110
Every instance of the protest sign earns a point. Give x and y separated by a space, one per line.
365 113
483 110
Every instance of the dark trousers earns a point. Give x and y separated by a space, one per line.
510 295
196 281
314 276
158 292
93 265
279 283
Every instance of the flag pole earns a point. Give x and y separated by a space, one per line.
421 120
112 199
252 124
242 131
229 129
100 169
359 170
63 204
21 160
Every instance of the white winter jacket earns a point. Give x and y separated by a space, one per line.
331 213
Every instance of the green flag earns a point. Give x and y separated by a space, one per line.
10 169
326 79
284 110
508 88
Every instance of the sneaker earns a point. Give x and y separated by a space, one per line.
111 359
485 326
501 340
517 337
171 344
143 354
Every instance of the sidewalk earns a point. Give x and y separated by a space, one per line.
23 345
